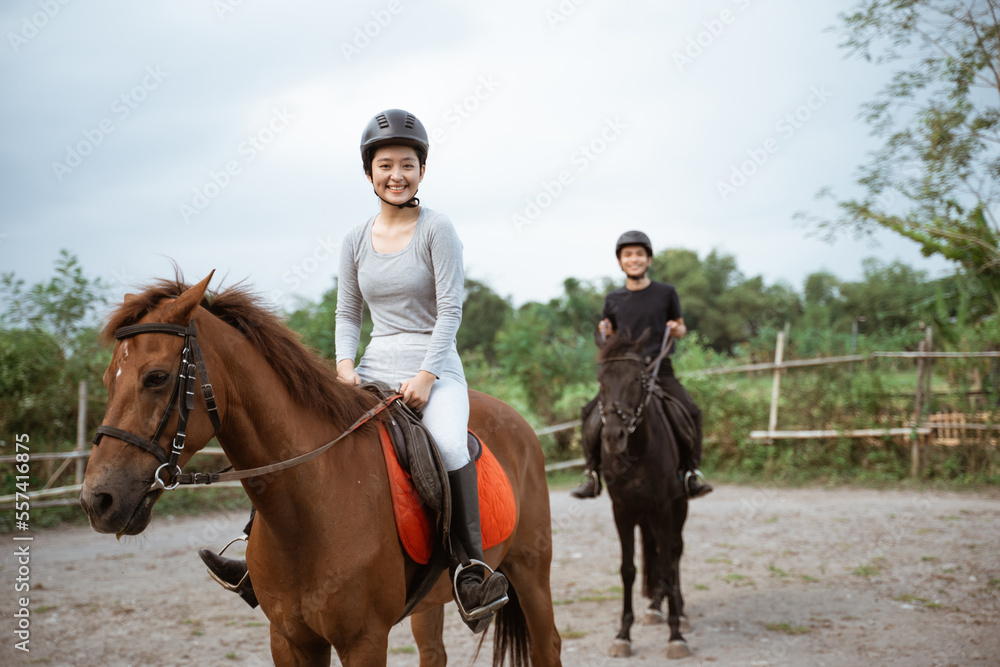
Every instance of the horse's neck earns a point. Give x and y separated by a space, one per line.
263 423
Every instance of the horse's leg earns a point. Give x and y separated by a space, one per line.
622 646
655 587
284 652
676 551
427 628
674 539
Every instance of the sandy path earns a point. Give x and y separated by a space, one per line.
771 577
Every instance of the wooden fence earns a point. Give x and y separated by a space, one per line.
947 429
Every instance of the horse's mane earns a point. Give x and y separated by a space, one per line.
308 377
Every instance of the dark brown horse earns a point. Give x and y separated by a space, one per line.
326 562
639 464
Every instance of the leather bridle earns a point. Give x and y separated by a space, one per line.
647 377
192 365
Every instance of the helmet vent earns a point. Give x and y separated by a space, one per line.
408 123
382 121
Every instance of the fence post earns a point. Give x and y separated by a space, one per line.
81 429
918 399
779 353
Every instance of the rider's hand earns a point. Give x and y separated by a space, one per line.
345 372
677 328
604 326
417 389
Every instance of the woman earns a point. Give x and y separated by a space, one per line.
406 263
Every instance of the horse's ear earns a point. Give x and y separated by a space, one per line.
182 309
599 338
641 341
131 299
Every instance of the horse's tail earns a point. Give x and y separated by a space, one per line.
510 637
650 563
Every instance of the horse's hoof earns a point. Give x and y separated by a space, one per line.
685 625
620 648
678 648
653 617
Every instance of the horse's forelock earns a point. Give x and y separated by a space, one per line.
135 306
619 345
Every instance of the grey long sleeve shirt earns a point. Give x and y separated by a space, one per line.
418 289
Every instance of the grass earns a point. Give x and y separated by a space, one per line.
788 629
910 599
994 583
776 571
738 580
570 633
869 570
724 561
41 609
809 579
403 650
701 587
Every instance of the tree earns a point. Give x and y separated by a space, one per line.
483 314
936 179
48 344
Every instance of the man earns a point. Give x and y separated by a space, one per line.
642 304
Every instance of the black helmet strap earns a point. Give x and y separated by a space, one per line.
412 203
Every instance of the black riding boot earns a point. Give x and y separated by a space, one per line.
477 599
232 573
590 441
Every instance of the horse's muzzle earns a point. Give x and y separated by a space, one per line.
116 511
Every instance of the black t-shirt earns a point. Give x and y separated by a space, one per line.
632 312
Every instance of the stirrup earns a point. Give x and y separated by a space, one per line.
687 479
225 584
488 608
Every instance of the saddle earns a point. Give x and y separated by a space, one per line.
421 494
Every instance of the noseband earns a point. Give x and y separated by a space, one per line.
192 365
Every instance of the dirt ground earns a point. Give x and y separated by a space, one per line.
770 576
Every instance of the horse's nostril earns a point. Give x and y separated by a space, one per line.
103 503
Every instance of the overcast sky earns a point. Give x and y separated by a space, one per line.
224 135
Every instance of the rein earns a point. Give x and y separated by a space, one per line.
192 364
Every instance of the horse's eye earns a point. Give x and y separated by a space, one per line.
154 379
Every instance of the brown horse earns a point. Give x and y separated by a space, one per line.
326 562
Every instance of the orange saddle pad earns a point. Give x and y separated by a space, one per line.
414 523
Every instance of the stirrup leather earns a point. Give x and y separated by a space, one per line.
225 584
487 608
